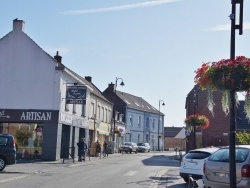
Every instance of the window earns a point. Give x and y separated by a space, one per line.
147 138
109 112
116 116
120 117
106 113
153 123
3 141
66 107
138 138
103 116
130 137
74 108
99 112
139 121
92 110
147 122
131 120
84 110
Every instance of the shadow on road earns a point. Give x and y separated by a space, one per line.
156 160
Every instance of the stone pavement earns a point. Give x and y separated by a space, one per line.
66 161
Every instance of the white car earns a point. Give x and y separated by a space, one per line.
143 147
192 163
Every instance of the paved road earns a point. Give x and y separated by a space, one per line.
129 170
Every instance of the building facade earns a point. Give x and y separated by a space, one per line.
143 123
33 104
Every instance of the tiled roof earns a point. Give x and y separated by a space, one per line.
137 103
171 131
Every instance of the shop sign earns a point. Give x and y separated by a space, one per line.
65 118
76 95
9 115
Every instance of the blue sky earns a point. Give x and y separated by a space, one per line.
153 45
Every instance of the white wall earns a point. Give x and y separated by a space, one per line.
28 79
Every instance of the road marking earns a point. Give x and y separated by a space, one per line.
155 183
14 178
130 173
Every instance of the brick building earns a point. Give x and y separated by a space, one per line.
217 133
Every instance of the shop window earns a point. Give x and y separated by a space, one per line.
28 138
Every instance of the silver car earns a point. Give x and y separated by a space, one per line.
192 163
143 147
216 168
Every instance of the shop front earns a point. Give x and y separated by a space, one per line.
27 126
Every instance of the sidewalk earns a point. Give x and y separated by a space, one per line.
66 161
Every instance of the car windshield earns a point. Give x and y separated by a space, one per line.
140 144
197 155
222 155
127 144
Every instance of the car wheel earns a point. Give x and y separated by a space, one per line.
136 151
126 151
149 150
2 163
130 151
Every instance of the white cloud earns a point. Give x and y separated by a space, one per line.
226 27
117 8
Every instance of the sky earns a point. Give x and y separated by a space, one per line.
154 46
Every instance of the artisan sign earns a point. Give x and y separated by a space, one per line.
76 95
28 115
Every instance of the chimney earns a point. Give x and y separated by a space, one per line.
18 25
58 58
111 87
88 78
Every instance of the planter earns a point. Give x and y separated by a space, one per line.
236 80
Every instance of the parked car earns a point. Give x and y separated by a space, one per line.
129 147
192 163
7 150
143 147
216 168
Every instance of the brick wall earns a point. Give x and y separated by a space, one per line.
216 133
174 142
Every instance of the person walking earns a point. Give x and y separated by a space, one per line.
82 146
105 149
98 148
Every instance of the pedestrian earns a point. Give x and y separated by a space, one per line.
98 148
82 146
105 149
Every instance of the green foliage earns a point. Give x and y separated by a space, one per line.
244 137
22 137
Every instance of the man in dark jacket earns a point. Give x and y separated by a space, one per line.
82 146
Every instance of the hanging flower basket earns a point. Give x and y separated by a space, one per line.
117 131
197 120
225 75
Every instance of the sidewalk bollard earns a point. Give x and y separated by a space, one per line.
191 182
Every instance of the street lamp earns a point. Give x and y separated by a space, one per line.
195 106
159 122
114 108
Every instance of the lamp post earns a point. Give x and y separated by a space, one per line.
195 106
114 107
232 160
159 122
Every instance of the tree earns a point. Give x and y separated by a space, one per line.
243 137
